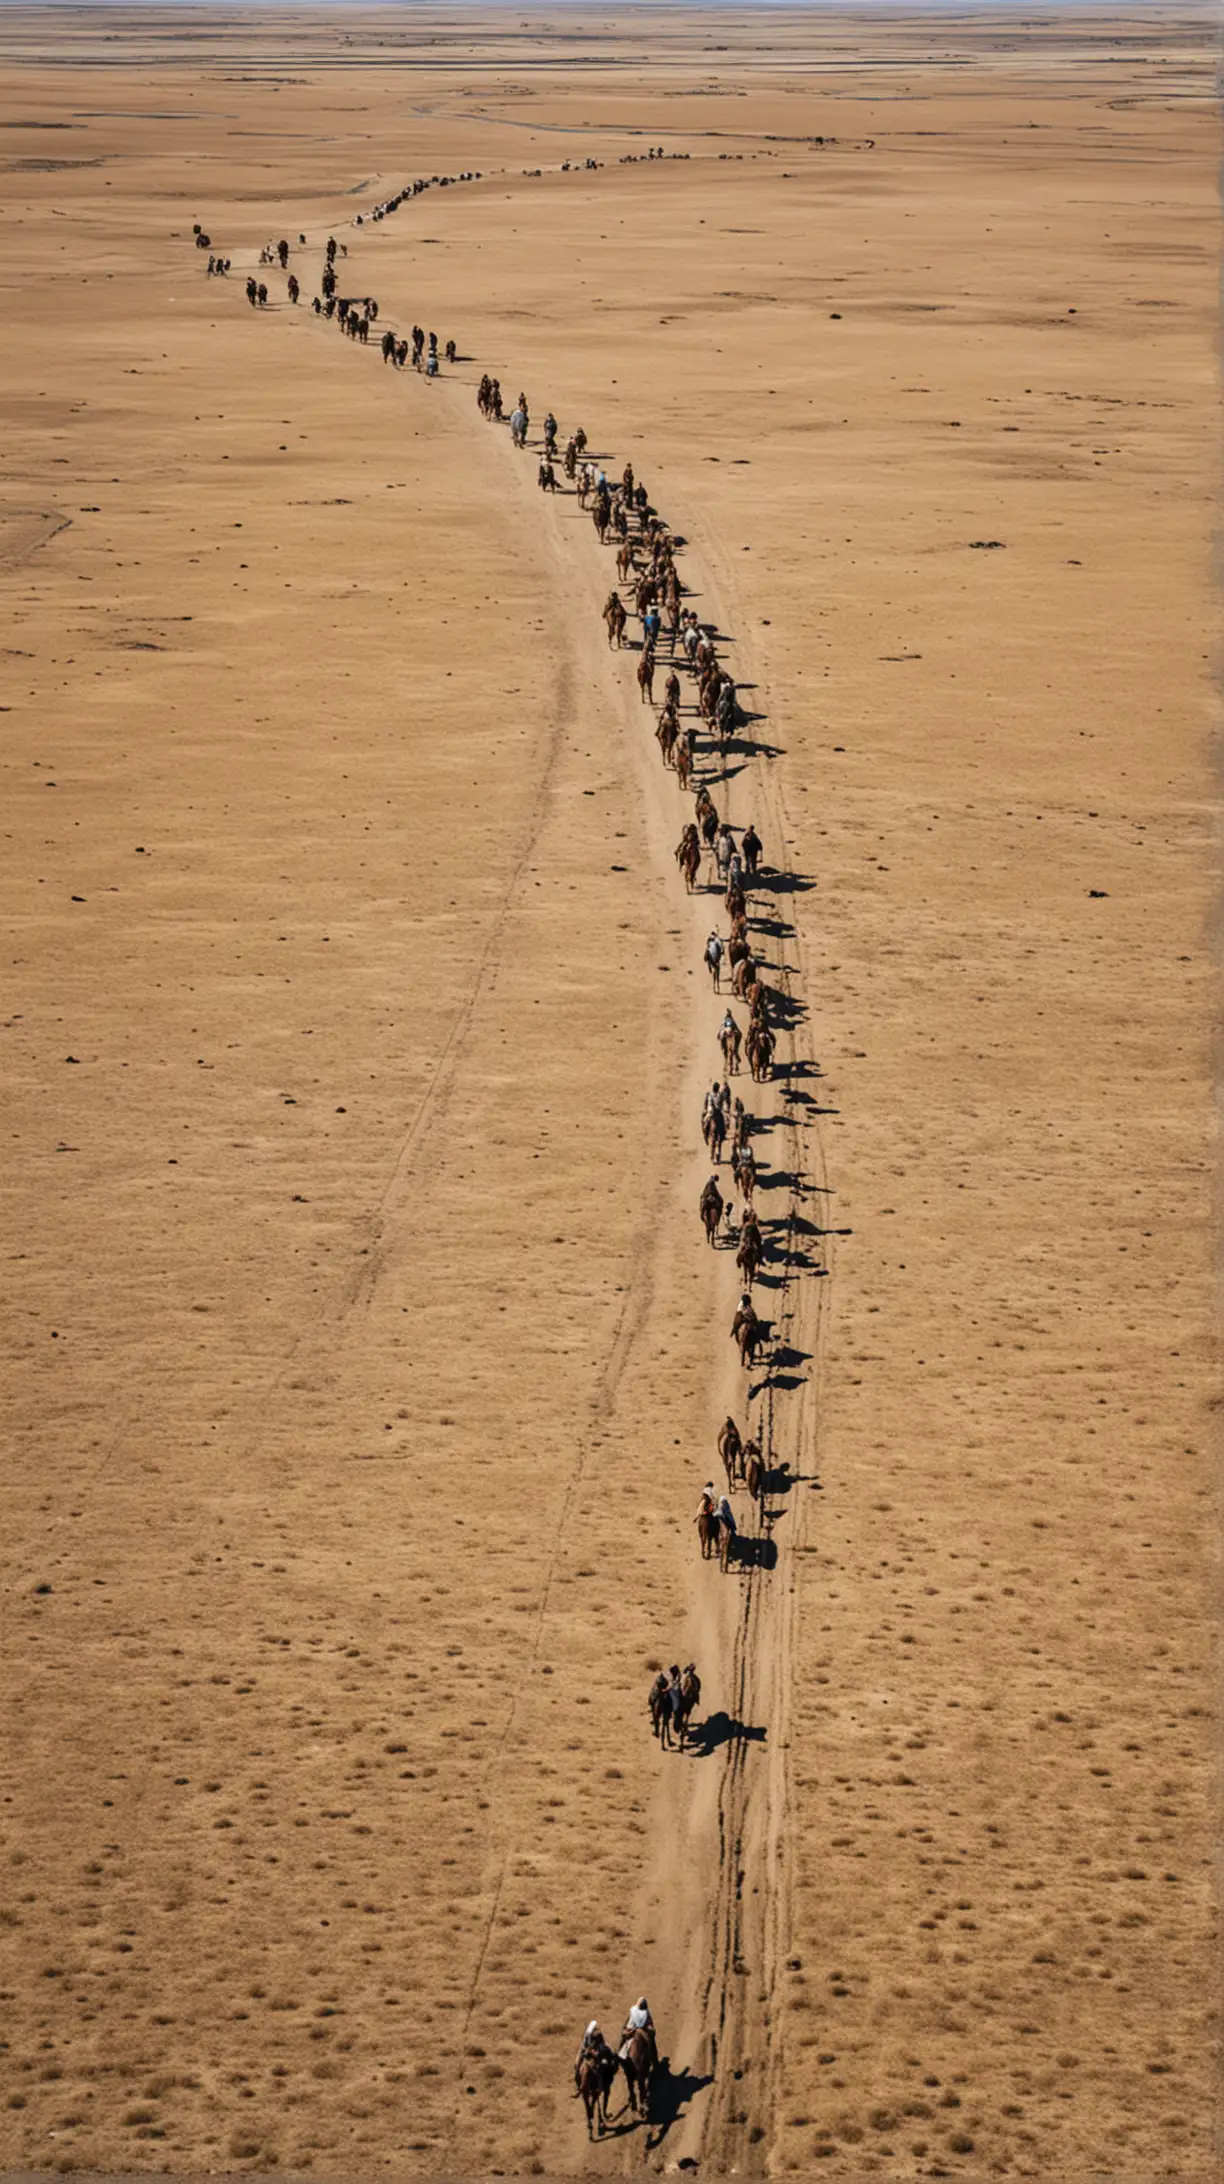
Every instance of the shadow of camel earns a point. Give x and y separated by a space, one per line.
670 2094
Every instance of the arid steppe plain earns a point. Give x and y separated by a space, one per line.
363 1355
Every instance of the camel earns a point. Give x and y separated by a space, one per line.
667 732
708 1529
616 618
710 1207
754 1470
684 763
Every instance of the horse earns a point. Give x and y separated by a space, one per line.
688 857
749 1335
690 1696
730 1448
636 2059
760 1053
749 1256
595 2079
659 1704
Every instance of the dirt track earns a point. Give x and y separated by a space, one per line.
366 1358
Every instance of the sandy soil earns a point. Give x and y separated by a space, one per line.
363 1354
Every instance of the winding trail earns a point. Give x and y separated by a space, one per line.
717 1892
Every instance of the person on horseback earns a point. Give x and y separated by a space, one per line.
594 2049
640 2020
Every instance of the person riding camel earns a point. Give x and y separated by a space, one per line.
709 1500
726 1516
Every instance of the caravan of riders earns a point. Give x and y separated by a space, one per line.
649 589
